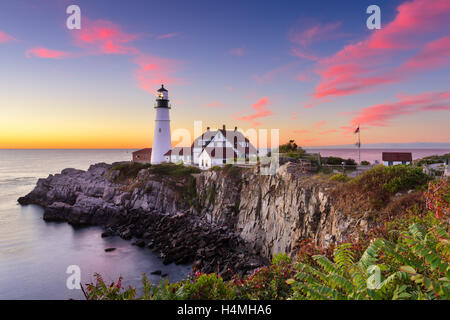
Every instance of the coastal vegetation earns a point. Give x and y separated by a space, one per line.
384 191
433 159
127 171
405 256
292 150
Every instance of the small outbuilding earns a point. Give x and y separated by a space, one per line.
143 155
395 158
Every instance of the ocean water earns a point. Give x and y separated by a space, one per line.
34 254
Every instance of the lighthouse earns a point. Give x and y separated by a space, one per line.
161 138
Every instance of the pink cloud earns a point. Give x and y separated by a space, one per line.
314 32
213 104
104 37
328 131
300 131
167 35
272 74
435 54
361 66
307 32
4 37
99 37
380 115
45 53
154 71
309 140
261 111
305 76
320 123
237 51
304 55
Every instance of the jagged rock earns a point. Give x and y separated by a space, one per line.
109 249
126 234
139 243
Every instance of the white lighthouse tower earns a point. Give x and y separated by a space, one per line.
161 138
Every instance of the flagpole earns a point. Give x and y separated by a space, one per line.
359 145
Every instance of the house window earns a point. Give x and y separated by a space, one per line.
390 163
159 129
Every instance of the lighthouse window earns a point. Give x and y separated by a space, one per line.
159 129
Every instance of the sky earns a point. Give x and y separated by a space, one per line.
311 69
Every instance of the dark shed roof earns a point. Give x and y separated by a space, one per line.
397 156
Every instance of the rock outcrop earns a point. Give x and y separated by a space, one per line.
152 209
229 220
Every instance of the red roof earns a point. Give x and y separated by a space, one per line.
179 151
145 150
397 156
222 153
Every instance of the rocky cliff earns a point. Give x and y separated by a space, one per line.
223 220
274 213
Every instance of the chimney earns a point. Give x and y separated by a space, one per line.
224 128
207 129
235 129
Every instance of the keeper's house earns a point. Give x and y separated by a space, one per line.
212 148
395 158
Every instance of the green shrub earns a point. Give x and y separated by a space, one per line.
338 161
433 159
101 291
288 147
267 283
128 170
207 287
381 182
339 177
280 258
296 154
175 170
365 163
402 177
415 267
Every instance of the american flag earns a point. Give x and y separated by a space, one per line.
357 130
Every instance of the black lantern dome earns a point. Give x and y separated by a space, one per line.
162 98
